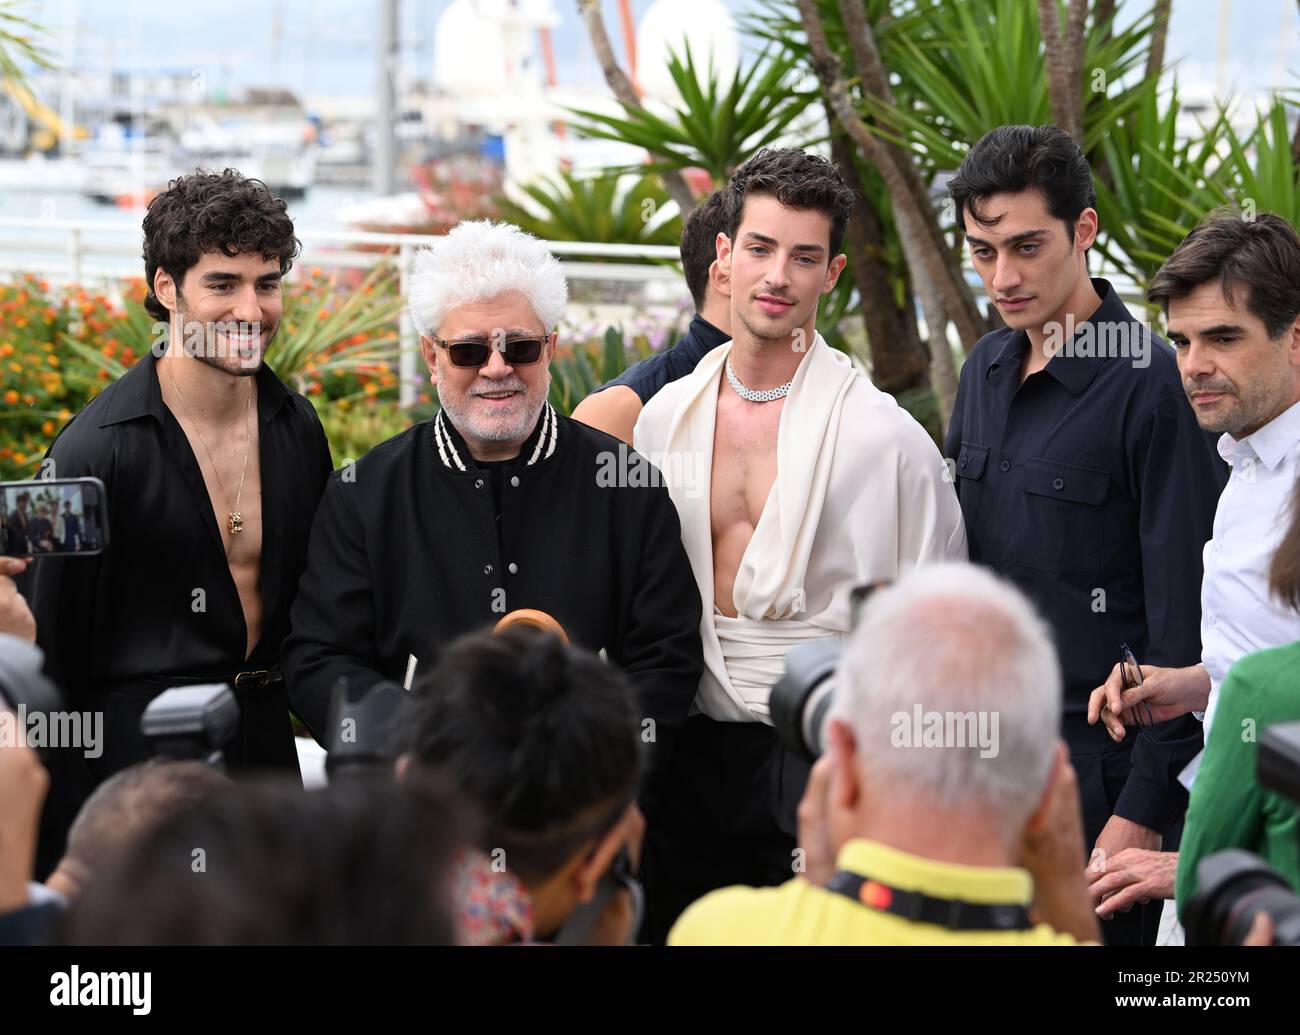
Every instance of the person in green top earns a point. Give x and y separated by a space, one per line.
1228 807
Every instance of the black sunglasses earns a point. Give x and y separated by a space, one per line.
517 352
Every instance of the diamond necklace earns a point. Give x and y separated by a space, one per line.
748 394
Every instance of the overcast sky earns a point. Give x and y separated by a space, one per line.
325 46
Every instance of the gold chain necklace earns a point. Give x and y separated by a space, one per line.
236 518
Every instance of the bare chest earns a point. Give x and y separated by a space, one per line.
744 459
232 475
744 469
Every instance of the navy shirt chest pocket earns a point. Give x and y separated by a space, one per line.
969 471
1063 518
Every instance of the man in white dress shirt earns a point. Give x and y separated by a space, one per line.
1231 292
813 481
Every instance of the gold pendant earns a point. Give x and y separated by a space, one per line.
236 522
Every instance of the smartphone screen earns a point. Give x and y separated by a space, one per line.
57 517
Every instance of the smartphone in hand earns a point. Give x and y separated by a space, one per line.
54 517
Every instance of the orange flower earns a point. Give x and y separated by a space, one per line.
11 397
103 375
314 388
48 427
6 349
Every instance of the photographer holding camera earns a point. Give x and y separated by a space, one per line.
544 739
909 834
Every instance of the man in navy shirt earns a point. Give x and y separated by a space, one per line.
1082 474
614 407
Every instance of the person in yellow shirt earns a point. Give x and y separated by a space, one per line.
945 810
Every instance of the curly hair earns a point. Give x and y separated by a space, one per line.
797 179
208 212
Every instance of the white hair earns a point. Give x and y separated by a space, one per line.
954 640
479 260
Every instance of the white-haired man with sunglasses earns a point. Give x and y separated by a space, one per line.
497 504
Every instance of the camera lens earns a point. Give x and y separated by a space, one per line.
802 698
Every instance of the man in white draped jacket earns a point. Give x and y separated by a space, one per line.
796 480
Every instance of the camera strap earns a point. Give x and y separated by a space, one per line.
951 913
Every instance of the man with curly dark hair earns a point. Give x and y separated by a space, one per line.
213 469
807 480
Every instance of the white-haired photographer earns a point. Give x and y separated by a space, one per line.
945 809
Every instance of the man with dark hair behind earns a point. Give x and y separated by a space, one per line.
363 863
1082 475
544 740
615 406
213 469
808 480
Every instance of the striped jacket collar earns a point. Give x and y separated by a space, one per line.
455 455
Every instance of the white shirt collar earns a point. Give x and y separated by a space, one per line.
1271 444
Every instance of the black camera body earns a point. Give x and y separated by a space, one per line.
22 679
192 722
801 698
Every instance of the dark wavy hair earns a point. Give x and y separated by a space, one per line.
210 212
797 179
544 739
1011 159
1258 256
